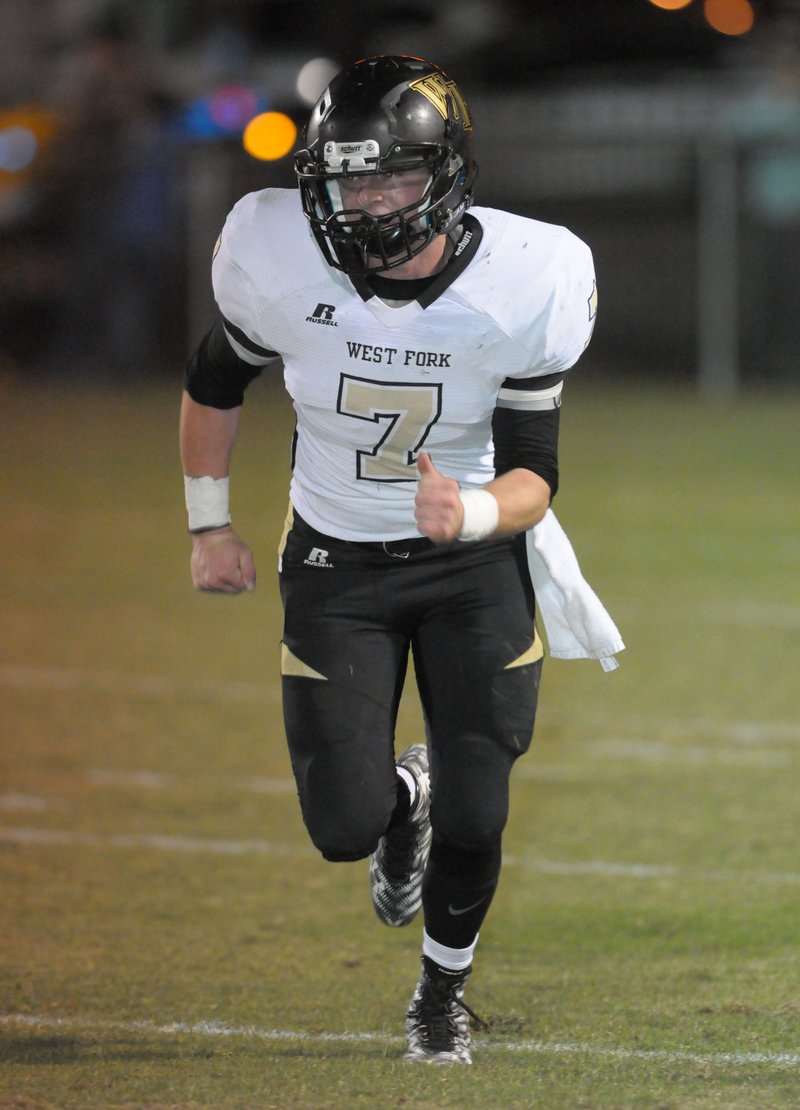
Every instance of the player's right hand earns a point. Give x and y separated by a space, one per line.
222 562
437 507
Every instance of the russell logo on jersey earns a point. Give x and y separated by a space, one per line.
323 314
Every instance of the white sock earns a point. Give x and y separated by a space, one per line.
411 783
454 959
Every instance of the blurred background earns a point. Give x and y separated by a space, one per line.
666 133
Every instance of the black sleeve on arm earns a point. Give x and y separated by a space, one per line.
528 439
215 375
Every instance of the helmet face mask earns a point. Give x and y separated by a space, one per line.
378 239
385 116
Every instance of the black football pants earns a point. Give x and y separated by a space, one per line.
352 611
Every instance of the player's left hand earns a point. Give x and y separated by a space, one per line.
437 506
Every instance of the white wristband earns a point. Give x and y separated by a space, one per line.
481 514
207 503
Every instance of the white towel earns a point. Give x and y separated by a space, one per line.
575 621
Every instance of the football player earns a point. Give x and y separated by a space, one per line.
424 343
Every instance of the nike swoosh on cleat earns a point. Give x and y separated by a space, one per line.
466 909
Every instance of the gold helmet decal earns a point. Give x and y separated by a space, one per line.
436 88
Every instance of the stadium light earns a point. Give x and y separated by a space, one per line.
314 77
671 5
18 148
730 17
223 113
232 106
269 136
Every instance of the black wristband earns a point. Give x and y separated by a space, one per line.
208 528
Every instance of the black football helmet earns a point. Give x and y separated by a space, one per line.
385 115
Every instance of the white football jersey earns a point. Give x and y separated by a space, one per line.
372 384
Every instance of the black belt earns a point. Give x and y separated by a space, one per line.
403 549
398 549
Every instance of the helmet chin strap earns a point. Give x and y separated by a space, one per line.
392 244
393 241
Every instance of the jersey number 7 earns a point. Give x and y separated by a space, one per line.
407 409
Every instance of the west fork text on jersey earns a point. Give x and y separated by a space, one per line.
365 352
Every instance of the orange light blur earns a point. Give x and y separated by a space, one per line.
41 126
269 136
671 5
730 17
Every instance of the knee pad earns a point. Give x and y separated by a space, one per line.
344 819
336 856
343 838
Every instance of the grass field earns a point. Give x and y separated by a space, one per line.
168 938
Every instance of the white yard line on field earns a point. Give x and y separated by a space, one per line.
160 842
131 685
157 841
27 803
145 779
77 1024
135 780
739 732
775 614
657 751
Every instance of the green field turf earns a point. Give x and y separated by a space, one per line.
168 938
